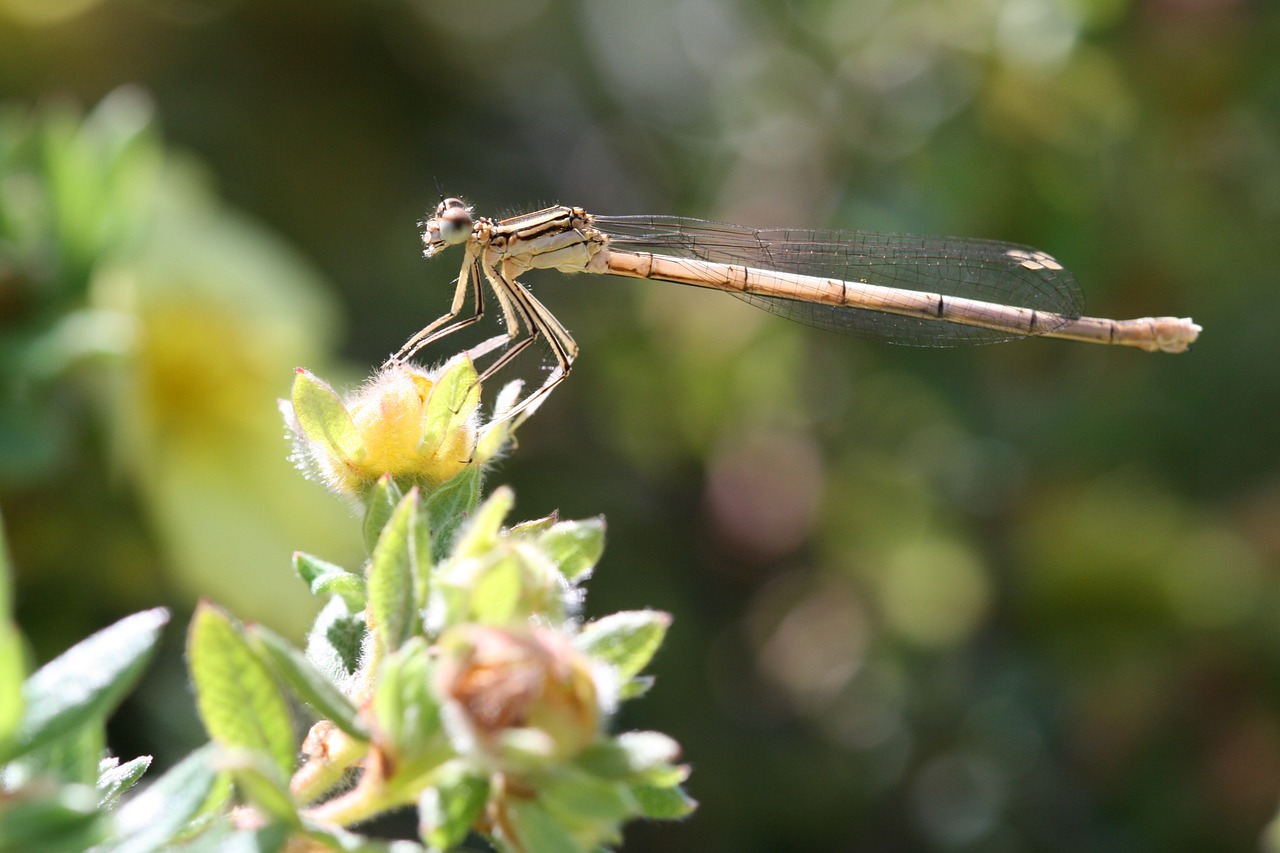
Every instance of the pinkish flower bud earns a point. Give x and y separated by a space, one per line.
522 687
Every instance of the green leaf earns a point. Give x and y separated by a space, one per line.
383 500
533 528
260 782
72 757
523 749
448 810
636 687
634 756
314 688
495 590
626 640
239 701
115 778
536 831
65 820
152 820
12 670
12 663
408 713
323 418
481 534
422 564
451 402
346 637
224 838
514 581
573 797
647 750
450 504
86 682
324 578
393 608
335 643
575 546
660 803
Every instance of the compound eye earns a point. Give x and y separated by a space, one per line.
453 218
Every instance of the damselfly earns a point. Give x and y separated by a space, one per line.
903 289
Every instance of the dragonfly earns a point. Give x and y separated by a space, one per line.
897 288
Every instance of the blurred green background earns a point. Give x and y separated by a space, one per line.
1007 598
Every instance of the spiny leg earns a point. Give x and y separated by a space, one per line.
541 323
506 358
517 319
468 277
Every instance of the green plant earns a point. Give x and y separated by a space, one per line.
56 784
452 674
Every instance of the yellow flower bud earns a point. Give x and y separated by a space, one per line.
421 427
391 416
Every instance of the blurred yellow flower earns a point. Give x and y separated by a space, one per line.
221 312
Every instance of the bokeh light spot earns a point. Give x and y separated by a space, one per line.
934 593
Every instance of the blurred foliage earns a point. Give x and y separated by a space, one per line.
147 330
1018 597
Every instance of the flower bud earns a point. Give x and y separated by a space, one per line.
518 690
419 426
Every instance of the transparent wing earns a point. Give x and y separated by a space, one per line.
986 270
